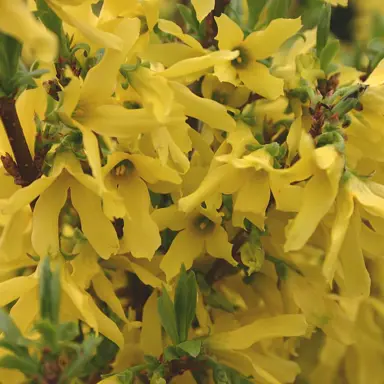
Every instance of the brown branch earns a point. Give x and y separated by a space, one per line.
25 165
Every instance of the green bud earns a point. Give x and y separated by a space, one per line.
328 54
252 256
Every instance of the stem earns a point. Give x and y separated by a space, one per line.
11 122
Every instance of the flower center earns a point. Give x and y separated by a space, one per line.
242 60
203 224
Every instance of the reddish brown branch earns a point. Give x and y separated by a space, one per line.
25 165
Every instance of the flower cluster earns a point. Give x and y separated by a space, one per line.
208 182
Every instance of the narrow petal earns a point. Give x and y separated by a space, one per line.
253 196
105 291
12 289
25 311
185 248
344 211
151 340
217 245
95 225
24 196
96 91
202 8
261 329
356 277
170 217
229 33
257 78
115 120
206 110
45 224
198 64
141 234
95 35
106 326
172 28
152 171
319 195
262 44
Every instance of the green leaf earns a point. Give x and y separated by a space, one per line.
168 316
171 353
67 331
189 17
9 328
254 10
277 9
192 347
53 23
45 289
185 302
88 350
23 364
10 50
48 332
55 296
328 54
126 377
323 28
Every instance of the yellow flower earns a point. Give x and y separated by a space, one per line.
200 231
76 304
89 106
16 20
256 46
52 191
127 176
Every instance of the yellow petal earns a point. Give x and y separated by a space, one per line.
16 20
356 277
172 28
257 78
152 171
146 275
96 91
12 289
208 111
97 36
319 195
25 311
151 341
45 229
344 211
151 10
24 196
253 196
95 225
80 299
71 97
105 291
244 337
217 245
202 8
229 33
106 326
115 120
141 234
185 248
170 217
262 44
198 64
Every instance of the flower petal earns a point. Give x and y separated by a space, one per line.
151 341
14 288
45 224
170 217
202 8
244 337
141 234
185 248
257 78
263 44
229 33
95 225
208 111
217 245
105 291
